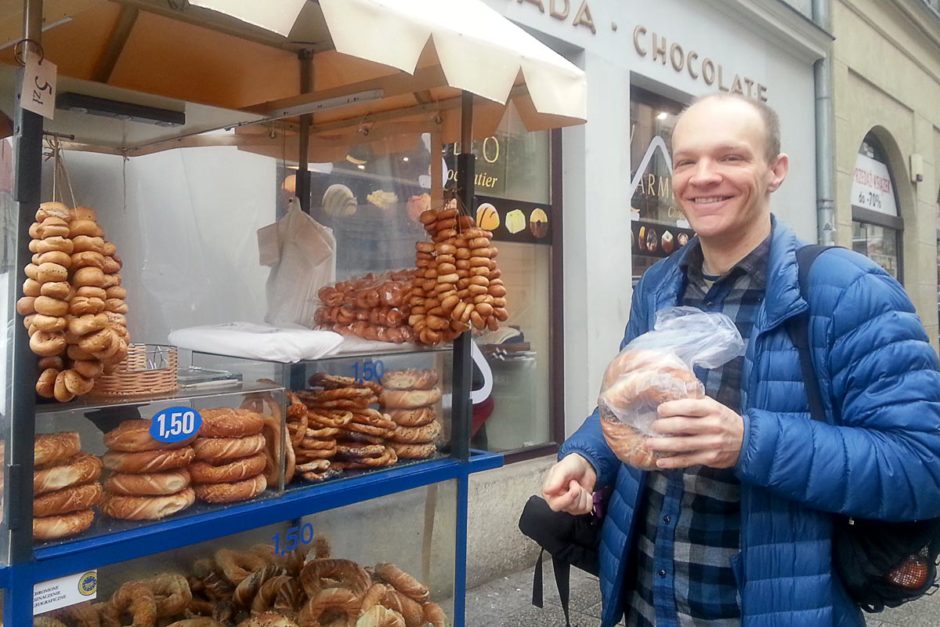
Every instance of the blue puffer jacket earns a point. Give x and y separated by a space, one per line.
879 457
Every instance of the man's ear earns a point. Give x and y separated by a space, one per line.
778 171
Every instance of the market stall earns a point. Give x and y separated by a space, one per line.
244 303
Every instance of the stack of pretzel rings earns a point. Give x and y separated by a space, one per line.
230 457
148 479
410 398
65 486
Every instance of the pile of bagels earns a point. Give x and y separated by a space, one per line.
410 398
345 430
148 479
73 304
65 486
340 423
370 307
256 588
457 282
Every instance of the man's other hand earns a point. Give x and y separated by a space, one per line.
569 485
702 431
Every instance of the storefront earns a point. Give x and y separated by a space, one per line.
612 212
646 61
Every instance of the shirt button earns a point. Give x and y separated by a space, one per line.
667 519
662 573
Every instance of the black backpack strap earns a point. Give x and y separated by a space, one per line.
798 330
537 585
562 580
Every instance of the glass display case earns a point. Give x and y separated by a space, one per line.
102 466
354 412
394 554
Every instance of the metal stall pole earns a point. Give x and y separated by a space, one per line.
460 408
298 372
303 175
27 137
463 364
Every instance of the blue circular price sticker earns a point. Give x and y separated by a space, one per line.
175 424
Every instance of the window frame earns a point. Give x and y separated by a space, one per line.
876 218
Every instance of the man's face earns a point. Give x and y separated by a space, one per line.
721 176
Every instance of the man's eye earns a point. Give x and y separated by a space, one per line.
679 164
731 158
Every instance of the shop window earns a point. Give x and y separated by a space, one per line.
876 225
8 280
514 201
657 224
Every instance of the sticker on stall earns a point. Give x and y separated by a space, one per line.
175 424
64 591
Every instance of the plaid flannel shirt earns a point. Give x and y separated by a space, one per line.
681 571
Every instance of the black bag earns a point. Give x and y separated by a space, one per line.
570 540
881 564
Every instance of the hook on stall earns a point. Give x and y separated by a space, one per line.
21 49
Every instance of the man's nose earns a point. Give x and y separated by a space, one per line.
704 173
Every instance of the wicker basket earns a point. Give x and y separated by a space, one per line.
148 369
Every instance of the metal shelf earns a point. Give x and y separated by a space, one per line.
69 557
85 404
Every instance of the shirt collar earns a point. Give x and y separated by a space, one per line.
754 263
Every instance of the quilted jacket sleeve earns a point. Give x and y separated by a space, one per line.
881 458
588 441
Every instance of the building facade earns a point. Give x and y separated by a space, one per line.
886 70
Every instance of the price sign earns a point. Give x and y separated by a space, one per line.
175 424
38 92
871 186
293 537
368 370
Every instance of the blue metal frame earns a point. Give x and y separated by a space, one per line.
71 557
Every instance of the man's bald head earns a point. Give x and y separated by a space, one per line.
768 116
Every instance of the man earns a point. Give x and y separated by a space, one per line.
735 526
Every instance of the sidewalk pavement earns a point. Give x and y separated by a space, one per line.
507 602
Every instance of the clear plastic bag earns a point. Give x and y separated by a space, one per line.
657 367
302 256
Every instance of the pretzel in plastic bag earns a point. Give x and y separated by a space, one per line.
657 367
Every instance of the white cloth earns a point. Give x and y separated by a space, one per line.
355 344
302 256
258 341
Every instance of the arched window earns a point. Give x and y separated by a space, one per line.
876 223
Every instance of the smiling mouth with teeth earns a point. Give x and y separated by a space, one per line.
710 199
